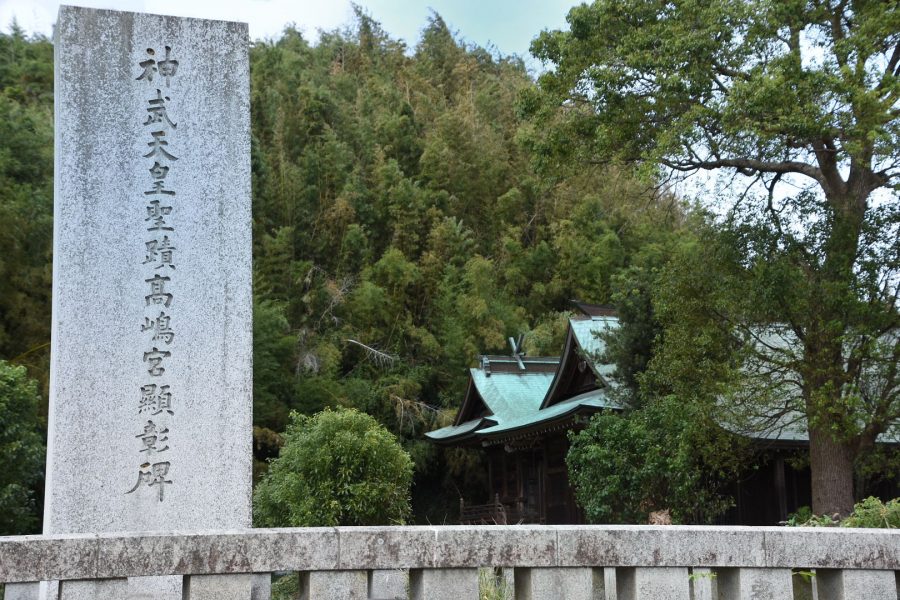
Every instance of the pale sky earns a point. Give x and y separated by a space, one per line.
510 25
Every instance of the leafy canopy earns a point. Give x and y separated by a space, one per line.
762 86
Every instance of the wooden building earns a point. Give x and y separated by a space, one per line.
520 410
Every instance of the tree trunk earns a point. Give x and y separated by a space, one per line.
834 300
831 463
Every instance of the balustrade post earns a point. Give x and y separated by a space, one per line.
155 588
218 587
653 583
571 583
334 585
848 584
388 584
92 589
443 584
21 591
754 583
261 586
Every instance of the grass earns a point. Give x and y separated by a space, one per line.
491 586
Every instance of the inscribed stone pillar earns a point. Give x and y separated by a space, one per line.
150 377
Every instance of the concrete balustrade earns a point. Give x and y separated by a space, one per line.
437 563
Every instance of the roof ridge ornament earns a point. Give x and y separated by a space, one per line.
517 353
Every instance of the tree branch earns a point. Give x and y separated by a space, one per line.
890 70
826 156
750 166
729 72
837 32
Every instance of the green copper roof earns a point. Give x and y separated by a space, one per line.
514 398
508 396
587 336
791 427
455 431
595 399
511 395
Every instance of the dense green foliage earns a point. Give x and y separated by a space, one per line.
337 467
803 92
402 225
21 451
872 512
26 200
667 455
26 211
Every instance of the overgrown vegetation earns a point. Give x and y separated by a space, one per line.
668 455
871 512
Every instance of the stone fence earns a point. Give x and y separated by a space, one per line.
446 563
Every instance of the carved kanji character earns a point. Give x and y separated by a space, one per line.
155 358
158 293
159 172
158 112
158 146
160 251
153 437
160 328
153 475
149 66
157 214
167 67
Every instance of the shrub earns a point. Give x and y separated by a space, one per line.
871 512
337 467
665 456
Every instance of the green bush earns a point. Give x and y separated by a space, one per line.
871 512
664 456
337 467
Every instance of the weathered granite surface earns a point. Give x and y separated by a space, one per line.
443 584
151 275
110 555
572 583
388 584
329 585
867 585
219 587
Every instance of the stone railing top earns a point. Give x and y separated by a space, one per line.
32 558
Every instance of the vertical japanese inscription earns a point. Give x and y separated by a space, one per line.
155 401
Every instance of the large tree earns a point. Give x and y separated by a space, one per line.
804 92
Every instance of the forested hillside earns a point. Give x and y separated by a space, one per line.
406 218
401 226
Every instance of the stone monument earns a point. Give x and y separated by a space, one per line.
150 381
